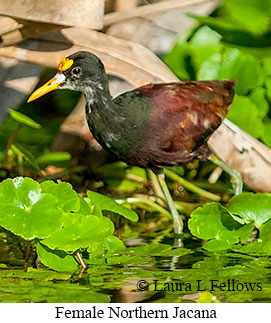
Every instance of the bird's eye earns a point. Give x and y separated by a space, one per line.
76 70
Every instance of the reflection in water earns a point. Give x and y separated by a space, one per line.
146 272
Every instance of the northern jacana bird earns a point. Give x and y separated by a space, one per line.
153 126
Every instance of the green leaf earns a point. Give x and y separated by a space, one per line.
207 297
18 116
243 67
39 276
257 247
267 133
250 18
127 260
54 158
204 44
232 64
179 59
105 203
266 62
67 197
79 231
114 244
258 96
154 249
233 33
85 208
213 222
56 259
243 106
251 207
210 68
25 153
96 249
26 210
268 87
265 231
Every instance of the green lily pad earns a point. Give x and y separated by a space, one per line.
251 207
27 211
39 275
114 244
155 249
85 207
79 231
56 259
96 249
214 223
102 202
67 197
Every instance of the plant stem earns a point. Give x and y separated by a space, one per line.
119 227
140 200
191 187
13 136
27 254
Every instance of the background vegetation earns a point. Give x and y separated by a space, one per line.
53 205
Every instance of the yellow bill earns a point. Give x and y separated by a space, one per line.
54 83
48 87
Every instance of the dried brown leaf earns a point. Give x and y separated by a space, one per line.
83 13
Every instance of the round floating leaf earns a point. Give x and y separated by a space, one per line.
38 275
18 116
105 203
257 247
56 259
114 244
67 197
251 207
26 210
79 231
85 208
214 223
96 249
155 249
265 231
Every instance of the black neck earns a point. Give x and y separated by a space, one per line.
105 118
118 126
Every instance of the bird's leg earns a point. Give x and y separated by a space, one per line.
177 221
156 185
81 262
236 177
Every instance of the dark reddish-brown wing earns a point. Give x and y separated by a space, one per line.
182 117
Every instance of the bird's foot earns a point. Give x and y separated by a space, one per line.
177 243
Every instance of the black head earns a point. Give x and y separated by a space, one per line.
81 71
86 70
